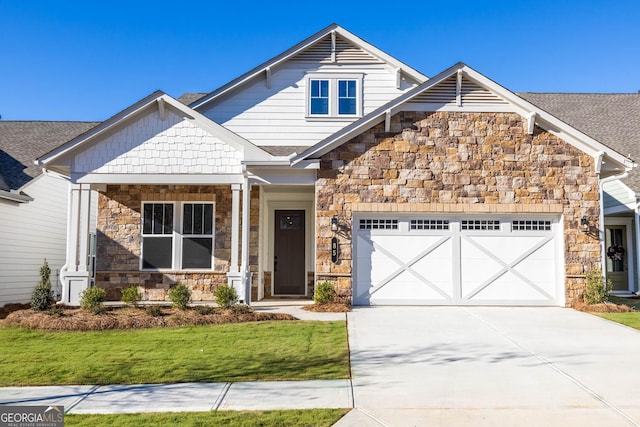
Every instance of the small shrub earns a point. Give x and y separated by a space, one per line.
92 299
154 310
130 295
180 296
596 290
204 309
225 296
42 299
325 293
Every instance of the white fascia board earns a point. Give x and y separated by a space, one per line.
100 129
261 70
282 176
250 151
518 105
160 101
14 196
371 119
157 179
549 122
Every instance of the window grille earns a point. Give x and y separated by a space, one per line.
481 224
531 225
378 224
429 224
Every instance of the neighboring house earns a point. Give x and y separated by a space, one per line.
334 161
614 120
33 206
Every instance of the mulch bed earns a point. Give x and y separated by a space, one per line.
332 307
75 319
6 309
602 308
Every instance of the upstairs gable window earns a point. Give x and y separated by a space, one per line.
347 99
319 96
334 96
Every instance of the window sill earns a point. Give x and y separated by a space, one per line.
331 118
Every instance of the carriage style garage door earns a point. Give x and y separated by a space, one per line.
457 261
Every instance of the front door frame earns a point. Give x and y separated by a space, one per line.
629 250
285 198
287 242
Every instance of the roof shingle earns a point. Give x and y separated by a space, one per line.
22 142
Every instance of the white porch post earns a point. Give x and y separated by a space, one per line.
234 276
239 276
77 275
244 269
235 226
636 223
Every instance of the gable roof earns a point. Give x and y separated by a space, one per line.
314 48
57 158
189 97
21 142
446 91
611 118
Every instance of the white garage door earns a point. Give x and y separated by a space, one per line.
462 261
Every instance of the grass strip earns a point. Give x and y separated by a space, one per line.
289 418
255 351
631 319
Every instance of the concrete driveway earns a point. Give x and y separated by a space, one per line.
450 366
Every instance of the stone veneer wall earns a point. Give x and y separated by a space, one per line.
119 241
458 162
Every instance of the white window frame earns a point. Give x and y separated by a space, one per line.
178 236
333 80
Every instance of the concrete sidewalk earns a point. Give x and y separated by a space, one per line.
186 397
195 397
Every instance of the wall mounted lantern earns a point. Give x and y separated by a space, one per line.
334 224
584 224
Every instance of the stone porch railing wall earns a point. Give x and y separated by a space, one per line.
463 163
119 241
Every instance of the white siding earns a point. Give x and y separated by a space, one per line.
31 232
151 145
276 115
615 193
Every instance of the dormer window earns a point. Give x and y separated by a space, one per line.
334 96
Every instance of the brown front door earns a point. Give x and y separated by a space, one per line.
289 258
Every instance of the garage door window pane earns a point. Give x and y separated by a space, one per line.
531 225
481 224
378 224
429 224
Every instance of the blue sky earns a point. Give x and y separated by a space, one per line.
69 60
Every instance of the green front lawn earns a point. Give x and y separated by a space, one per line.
292 418
261 351
631 319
